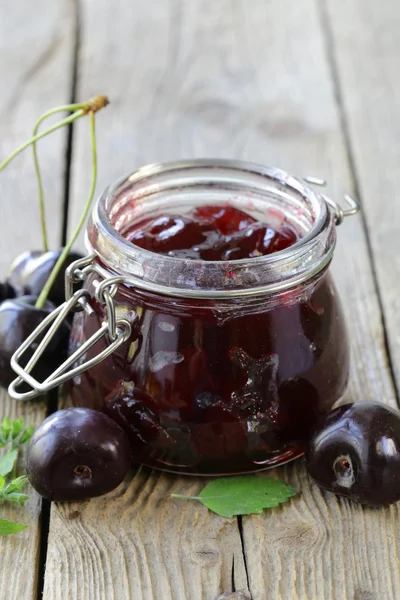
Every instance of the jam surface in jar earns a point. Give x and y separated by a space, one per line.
217 387
211 233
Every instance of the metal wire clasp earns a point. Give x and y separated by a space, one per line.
117 330
338 211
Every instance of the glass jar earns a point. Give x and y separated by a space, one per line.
228 363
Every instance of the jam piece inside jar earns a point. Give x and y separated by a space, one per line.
208 388
211 233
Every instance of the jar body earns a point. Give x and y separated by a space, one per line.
209 386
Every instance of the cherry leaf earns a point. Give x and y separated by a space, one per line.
7 527
7 462
243 495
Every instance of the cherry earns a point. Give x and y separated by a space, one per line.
227 219
6 291
30 271
18 318
167 442
354 451
77 453
130 407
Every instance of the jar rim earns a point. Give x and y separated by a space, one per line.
188 277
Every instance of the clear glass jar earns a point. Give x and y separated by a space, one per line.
228 363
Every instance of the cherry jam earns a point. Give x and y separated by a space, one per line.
211 233
207 386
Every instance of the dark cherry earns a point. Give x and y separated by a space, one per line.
18 319
77 453
354 451
132 409
30 271
6 292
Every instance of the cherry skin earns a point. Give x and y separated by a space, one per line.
77 453
131 409
354 451
6 292
18 319
30 271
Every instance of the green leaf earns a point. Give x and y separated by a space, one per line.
7 462
2 482
16 485
7 527
242 495
16 497
6 427
27 434
17 427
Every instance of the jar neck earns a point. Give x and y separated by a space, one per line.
264 193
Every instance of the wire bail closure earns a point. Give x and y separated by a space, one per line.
338 211
118 331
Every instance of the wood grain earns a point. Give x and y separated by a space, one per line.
220 79
36 57
36 48
139 543
364 47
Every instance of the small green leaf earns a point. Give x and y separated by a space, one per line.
27 434
6 427
16 497
242 495
16 485
2 482
7 462
17 427
7 527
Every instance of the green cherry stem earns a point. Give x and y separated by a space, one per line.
40 189
93 105
83 106
57 267
76 115
187 497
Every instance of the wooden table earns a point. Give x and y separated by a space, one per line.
311 86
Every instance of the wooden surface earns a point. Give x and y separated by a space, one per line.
35 74
310 86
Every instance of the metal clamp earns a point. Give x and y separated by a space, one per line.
338 211
118 332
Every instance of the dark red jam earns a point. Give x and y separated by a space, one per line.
211 233
210 386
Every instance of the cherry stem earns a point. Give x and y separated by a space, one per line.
93 104
57 267
68 107
80 110
186 497
76 115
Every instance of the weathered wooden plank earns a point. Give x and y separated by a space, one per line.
221 79
364 48
138 543
36 49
